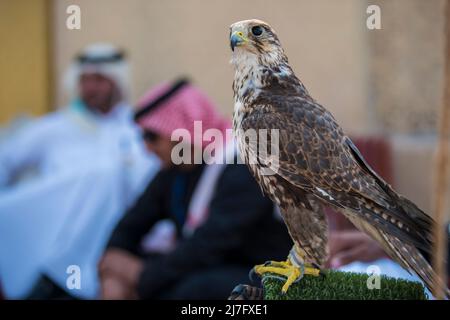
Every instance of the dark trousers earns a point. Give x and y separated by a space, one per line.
46 289
210 284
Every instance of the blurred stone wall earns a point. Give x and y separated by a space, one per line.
24 59
406 65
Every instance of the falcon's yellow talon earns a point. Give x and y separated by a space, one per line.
261 269
286 269
295 274
312 271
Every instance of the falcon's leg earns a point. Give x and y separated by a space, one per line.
293 269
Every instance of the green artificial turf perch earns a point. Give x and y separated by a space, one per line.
338 285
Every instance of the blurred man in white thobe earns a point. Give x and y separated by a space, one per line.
86 165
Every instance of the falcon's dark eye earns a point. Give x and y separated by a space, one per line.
257 30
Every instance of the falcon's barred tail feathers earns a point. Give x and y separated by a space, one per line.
409 256
317 163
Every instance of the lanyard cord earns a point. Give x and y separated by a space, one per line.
177 206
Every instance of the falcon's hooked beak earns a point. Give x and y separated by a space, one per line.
237 38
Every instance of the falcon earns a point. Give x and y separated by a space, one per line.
317 165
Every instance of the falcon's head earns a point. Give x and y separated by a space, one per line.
255 39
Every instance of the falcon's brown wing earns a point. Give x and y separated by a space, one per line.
315 157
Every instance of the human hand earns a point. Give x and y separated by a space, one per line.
112 288
122 265
352 245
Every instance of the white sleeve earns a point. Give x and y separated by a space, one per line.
21 150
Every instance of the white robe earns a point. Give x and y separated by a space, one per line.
90 169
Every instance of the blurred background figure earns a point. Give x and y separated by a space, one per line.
222 224
65 178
